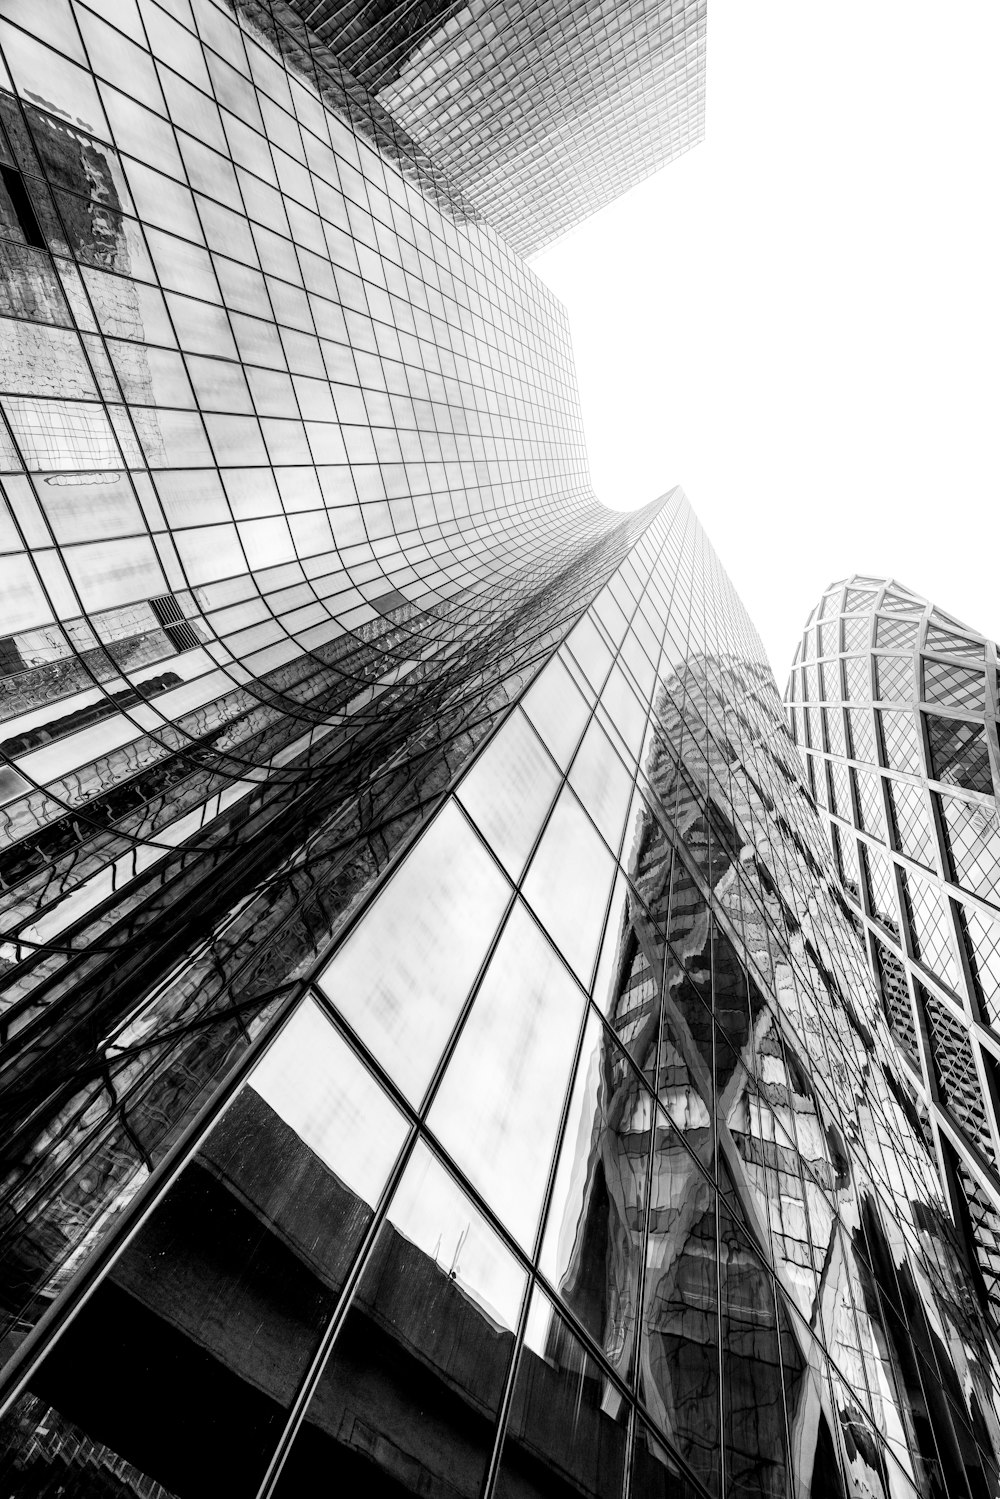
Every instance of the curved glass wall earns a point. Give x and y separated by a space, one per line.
294 501
438 1058
585 1164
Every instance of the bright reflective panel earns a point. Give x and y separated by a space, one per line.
558 710
569 881
509 791
602 782
400 979
498 1108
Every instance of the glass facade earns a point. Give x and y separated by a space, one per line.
919 693
294 502
439 1057
581 1162
540 111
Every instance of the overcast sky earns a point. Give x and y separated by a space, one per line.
799 320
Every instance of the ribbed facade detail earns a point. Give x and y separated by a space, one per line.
894 706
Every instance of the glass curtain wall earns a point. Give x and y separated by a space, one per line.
294 502
586 1165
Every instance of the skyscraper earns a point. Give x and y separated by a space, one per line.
538 111
438 1054
894 706
585 1151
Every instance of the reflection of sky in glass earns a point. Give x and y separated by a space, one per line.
499 1103
406 356
401 977
316 1084
569 881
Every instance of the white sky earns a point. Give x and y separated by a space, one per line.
799 320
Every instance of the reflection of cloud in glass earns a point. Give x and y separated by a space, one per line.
314 1082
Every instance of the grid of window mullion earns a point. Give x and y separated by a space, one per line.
528 1260
293 251
376 1069
99 334
127 409
978 1037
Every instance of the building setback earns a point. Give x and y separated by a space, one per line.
894 706
438 1054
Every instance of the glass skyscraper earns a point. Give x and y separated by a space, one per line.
539 111
894 706
438 1055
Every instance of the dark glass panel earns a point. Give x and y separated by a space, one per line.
195 1343
592 1248
567 1421
755 1369
408 1399
958 753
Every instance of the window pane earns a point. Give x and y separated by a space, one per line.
567 1420
590 1251
499 1105
195 1343
557 709
601 782
509 790
958 753
569 881
401 977
408 1399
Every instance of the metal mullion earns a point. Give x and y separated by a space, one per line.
226 309
314 1371
503 1411
419 1131
70 1301
100 401
78 1291
418 1117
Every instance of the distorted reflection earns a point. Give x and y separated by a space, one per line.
208 1320
408 1399
762 1331
567 1423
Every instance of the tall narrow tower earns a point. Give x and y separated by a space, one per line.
894 706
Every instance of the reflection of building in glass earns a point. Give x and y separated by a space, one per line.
584 1153
438 1058
540 111
894 706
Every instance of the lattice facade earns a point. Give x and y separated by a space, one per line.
894 706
